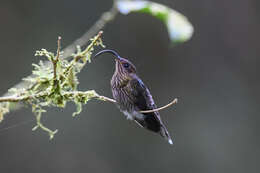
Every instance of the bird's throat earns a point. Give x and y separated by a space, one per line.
123 82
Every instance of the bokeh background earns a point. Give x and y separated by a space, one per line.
215 74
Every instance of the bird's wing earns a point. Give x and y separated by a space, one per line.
142 99
141 96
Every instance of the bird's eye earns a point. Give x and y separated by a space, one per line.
126 65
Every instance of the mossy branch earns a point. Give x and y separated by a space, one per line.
105 18
54 86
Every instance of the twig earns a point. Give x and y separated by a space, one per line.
67 94
99 25
54 61
14 99
105 98
161 108
58 48
146 111
83 53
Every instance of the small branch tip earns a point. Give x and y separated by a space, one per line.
161 108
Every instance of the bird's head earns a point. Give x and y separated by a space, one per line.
124 67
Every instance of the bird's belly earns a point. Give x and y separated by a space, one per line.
133 115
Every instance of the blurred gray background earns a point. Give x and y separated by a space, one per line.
215 75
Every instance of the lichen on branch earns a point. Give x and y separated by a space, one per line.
54 86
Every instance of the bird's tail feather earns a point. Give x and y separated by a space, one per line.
164 133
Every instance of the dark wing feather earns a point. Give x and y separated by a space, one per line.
140 94
143 100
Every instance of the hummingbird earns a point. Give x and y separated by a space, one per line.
132 96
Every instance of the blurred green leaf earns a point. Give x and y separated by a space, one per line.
179 28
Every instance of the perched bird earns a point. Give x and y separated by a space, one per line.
132 96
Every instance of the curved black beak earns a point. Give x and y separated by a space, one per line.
109 51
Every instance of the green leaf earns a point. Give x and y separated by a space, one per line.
179 28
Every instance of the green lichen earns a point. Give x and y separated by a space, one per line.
55 85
